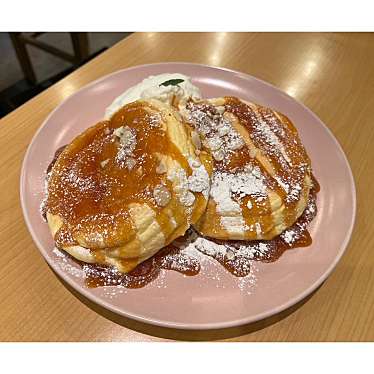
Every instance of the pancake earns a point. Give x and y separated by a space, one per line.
127 186
262 173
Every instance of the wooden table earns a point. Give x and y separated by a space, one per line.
333 74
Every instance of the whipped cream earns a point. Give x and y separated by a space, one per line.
152 87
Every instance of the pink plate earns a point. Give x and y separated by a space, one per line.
214 298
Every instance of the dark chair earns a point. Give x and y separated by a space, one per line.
20 41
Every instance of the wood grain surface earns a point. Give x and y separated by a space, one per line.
333 74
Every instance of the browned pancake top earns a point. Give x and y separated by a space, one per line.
244 136
91 186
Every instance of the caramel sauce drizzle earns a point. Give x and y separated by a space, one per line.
81 191
170 257
292 174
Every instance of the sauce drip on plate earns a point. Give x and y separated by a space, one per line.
236 258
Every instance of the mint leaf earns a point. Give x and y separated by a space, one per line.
172 82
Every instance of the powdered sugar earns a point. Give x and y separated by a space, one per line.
288 236
227 188
218 134
248 250
179 177
43 204
271 138
85 183
161 195
199 181
234 225
210 254
127 140
209 247
66 266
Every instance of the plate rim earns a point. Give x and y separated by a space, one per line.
179 325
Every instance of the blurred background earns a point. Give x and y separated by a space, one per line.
31 62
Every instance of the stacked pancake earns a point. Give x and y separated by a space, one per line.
127 187
262 174
131 184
